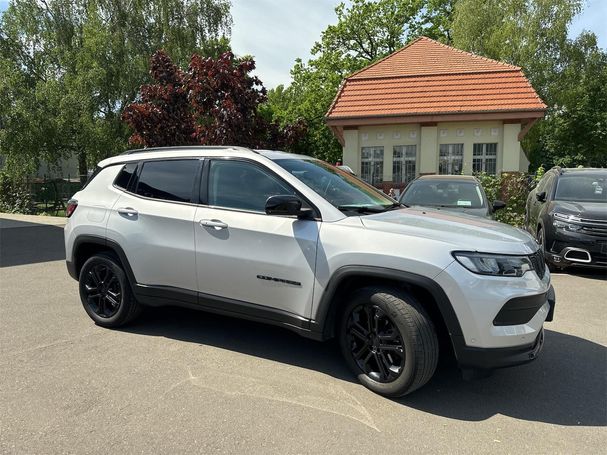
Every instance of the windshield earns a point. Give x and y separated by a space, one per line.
340 188
441 193
582 187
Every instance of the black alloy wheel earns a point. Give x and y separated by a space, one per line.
388 340
376 345
103 291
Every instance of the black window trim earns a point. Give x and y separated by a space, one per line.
131 179
134 181
204 190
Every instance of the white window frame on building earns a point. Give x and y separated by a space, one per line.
404 158
484 158
450 159
372 165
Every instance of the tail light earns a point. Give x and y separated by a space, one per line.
71 207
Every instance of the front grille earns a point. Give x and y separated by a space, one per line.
594 227
538 262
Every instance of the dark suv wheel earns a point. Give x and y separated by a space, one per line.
388 340
105 292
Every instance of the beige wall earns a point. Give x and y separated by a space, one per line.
510 156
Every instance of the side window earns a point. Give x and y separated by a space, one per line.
550 186
125 175
171 180
545 184
241 185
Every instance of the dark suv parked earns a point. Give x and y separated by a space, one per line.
567 212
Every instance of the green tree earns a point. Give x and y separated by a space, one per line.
574 131
365 32
69 67
569 75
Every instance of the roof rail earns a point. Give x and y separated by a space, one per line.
188 147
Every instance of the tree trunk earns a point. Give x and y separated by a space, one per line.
82 167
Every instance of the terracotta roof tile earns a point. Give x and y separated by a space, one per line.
427 77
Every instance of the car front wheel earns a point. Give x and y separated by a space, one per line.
388 340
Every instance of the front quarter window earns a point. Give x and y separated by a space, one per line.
339 188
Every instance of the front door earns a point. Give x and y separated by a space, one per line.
243 254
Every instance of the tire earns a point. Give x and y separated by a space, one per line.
398 320
105 292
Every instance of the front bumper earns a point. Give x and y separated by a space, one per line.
489 359
501 318
566 249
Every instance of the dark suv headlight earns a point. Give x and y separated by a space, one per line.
494 264
566 222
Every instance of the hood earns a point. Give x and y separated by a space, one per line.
589 210
462 232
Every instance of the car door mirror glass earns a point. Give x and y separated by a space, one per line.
498 205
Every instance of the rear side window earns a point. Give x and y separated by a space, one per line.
171 180
125 175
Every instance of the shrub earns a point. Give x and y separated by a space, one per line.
512 188
15 196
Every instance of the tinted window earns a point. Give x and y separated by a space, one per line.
544 183
582 187
340 188
241 185
124 177
169 180
438 193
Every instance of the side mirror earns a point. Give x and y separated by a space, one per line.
541 196
498 205
286 205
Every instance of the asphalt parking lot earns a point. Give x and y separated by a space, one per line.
181 381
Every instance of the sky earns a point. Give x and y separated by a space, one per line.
276 32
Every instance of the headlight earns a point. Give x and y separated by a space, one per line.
566 222
494 264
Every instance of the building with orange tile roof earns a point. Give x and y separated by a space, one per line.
429 108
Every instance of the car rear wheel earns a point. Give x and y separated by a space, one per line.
106 293
388 340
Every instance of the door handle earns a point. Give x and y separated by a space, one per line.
127 211
215 224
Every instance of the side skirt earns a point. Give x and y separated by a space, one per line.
170 296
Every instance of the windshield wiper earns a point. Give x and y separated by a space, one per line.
368 208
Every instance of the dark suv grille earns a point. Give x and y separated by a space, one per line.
538 262
594 227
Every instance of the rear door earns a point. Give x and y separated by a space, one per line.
248 256
153 221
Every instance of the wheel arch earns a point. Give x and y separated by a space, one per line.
86 246
424 289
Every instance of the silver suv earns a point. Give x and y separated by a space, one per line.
293 241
